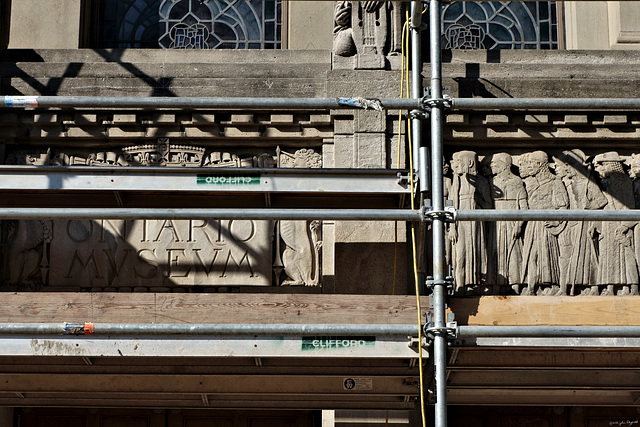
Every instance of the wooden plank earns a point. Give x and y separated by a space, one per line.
42 307
527 397
227 385
547 310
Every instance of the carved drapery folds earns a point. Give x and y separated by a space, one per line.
367 31
162 255
544 257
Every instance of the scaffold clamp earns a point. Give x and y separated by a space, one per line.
445 102
450 330
419 114
447 282
449 213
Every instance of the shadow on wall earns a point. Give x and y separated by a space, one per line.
39 80
5 13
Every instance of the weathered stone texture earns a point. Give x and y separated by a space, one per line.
153 253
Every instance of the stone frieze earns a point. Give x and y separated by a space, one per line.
161 255
544 257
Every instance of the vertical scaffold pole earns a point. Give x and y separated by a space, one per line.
421 165
437 193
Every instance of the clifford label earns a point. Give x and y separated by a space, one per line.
234 180
332 343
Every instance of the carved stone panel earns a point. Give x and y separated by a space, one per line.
153 253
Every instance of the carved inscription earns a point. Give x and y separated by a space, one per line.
119 253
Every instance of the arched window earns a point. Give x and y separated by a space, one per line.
189 24
500 25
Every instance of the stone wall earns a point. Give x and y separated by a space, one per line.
188 256
355 257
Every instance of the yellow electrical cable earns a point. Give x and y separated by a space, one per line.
413 242
395 228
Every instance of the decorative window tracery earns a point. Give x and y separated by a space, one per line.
191 24
500 25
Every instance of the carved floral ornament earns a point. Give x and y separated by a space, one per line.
544 257
162 255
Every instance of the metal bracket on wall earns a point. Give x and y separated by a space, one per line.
413 343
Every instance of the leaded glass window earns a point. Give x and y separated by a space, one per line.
500 25
190 24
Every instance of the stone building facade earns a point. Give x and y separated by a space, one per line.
547 159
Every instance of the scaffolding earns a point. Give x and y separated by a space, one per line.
310 184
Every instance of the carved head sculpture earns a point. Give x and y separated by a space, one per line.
532 163
446 168
571 164
562 168
635 166
608 163
539 161
485 165
500 162
464 162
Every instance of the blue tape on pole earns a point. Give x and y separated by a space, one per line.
365 104
74 328
20 101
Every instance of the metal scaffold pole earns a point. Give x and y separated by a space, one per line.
438 226
419 154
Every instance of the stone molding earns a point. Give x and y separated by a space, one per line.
55 124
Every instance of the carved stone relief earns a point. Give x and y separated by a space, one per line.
367 31
469 191
618 264
545 257
507 192
162 254
299 254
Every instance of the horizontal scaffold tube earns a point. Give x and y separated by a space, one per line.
548 332
210 214
465 104
546 215
137 329
211 103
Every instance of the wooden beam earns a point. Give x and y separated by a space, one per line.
225 385
528 397
547 310
45 307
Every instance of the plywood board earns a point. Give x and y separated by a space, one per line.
552 310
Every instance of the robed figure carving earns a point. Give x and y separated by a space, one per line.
634 171
581 267
618 266
469 190
507 192
541 252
